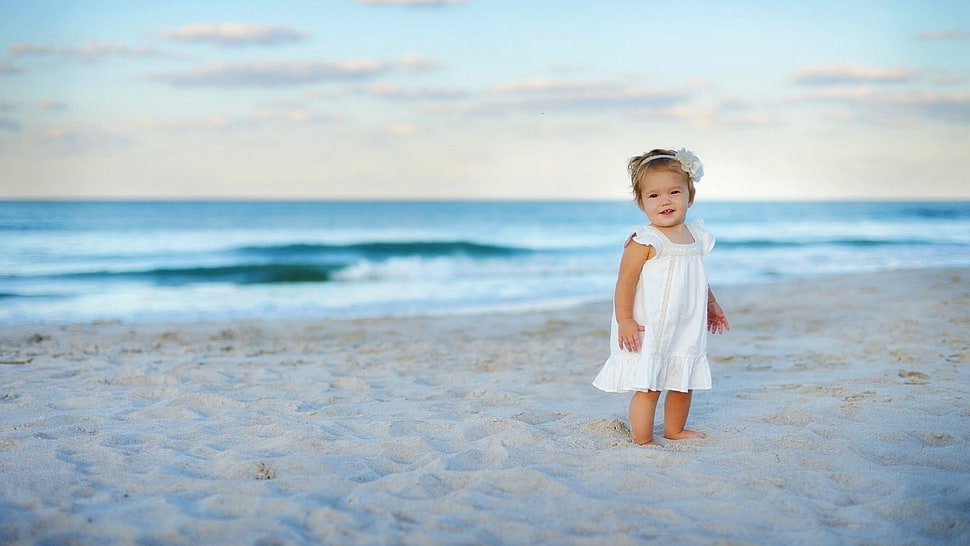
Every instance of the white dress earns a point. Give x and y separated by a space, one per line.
671 303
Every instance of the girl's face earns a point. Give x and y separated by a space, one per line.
665 197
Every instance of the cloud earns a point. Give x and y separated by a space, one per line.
538 95
447 109
55 135
9 124
543 85
271 73
702 83
839 94
7 69
79 140
950 107
396 92
53 105
846 74
233 34
729 114
943 34
410 2
551 93
879 105
87 53
948 79
404 128
413 63
229 123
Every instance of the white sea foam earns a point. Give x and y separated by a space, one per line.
71 261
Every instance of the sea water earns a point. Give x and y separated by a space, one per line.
146 261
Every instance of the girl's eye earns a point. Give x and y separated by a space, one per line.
675 191
652 196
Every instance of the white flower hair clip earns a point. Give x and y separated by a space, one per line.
689 162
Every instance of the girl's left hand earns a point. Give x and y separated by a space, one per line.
717 322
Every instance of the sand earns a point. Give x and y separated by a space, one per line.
840 414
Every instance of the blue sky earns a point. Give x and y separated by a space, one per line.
481 98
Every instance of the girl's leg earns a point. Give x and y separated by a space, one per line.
643 408
676 408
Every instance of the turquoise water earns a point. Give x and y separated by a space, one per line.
66 261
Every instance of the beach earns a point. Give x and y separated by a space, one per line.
840 413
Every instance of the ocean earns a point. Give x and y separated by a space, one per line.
156 261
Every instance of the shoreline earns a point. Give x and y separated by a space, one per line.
839 413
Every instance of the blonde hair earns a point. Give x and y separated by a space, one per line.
637 169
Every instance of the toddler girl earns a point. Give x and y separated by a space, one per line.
662 301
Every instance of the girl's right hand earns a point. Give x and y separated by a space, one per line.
629 335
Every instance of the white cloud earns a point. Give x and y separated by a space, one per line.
948 79
847 74
232 34
446 109
880 105
230 123
9 124
943 34
55 134
543 93
396 92
729 114
416 64
305 116
844 94
951 107
404 128
53 105
87 53
7 68
271 73
545 85
702 83
79 139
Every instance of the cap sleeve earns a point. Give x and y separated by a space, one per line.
701 235
646 236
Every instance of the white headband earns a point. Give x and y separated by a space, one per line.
651 158
688 162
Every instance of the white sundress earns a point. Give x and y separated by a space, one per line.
671 304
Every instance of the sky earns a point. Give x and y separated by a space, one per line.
481 99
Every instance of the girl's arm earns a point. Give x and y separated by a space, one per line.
717 321
634 256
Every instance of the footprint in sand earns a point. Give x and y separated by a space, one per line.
914 378
264 472
793 418
936 439
607 427
538 417
423 486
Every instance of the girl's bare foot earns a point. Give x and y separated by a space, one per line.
684 434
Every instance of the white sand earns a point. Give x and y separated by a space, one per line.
840 414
